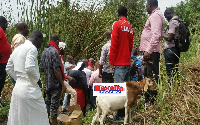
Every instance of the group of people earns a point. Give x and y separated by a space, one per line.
76 80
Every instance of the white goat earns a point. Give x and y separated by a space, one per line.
106 103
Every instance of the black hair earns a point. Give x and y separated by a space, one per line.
108 34
3 19
36 34
54 37
169 11
122 11
153 2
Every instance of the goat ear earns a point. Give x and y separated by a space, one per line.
145 87
147 82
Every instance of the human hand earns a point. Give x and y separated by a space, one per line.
112 66
1 56
73 66
71 79
63 88
100 75
39 83
146 56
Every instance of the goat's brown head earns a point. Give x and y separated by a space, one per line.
149 84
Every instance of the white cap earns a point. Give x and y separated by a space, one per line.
62 45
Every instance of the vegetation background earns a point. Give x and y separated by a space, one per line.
83 30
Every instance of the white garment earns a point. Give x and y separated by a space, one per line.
27 105
88 73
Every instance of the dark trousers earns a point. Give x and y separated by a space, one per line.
107 77
172 56
92 100
151 70
2 76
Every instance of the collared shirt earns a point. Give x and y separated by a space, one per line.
104 59
5 49
152 33
95 78
121 43
50 61
17 40
173 24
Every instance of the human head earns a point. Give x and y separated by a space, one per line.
151 5
23 28
122 11
134 52
92 61
108 34
55 38
69 59
97 65
3 23
61 46
169 13
85 61
36 37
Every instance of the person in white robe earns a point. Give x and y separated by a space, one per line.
27 105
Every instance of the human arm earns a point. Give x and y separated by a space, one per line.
168 37
58 75
114 44
156 23
100 71
31 65
70 67
10 68
71 79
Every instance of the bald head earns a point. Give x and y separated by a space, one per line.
55 38
36 37
23 28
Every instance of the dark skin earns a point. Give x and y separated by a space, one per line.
3 26
23 28
168 37
150 8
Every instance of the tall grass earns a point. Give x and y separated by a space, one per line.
83 30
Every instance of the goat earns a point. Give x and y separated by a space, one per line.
134 89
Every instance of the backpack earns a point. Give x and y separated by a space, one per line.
182 40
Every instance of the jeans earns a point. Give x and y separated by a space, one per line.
65 101
172 56
121 74
151 70
107 77
2 76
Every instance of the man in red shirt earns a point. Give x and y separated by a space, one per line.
5 51
120 49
